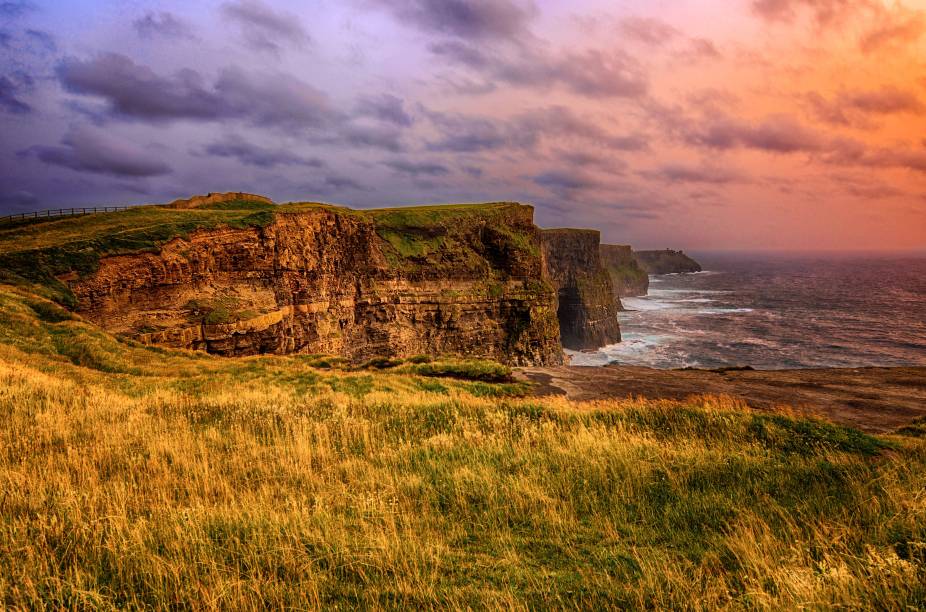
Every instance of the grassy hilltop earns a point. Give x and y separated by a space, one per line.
140 477
37 252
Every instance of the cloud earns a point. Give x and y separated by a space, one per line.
559 121
592 73
775 134
470 134
16 8
162 24
43 40
90 151
331 184
897 28
9 100
646 30
563 181
416 169
274 99
264 28
385 107
135 91
467 134
466 19
701 48
852 108
681 173
850 152
361 134
233 146
823 11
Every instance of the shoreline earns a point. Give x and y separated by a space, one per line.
872 399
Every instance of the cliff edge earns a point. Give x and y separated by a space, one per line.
587 308
236 275
627 275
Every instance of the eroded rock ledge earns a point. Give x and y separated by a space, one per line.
359 284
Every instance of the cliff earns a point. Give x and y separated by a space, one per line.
242 277
667 262
587 308
627 276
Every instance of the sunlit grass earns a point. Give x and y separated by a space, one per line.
134 477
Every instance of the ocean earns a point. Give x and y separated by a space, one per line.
775 311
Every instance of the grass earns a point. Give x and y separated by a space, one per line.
437 238
136 477
36 254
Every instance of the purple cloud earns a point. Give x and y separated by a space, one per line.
162 24
233 146
137 92
264 28
84 150
465 19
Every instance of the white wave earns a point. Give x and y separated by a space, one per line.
713 311
691 291
646 304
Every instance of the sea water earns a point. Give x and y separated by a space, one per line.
773 311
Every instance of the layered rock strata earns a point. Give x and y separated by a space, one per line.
328 280
587 309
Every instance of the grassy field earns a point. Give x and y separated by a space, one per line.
138 477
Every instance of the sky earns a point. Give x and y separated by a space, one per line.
711 124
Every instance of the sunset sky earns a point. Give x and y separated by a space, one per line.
716 124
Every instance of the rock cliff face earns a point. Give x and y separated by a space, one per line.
627 276
326 280
667 262
587 308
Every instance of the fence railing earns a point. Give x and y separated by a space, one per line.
59 212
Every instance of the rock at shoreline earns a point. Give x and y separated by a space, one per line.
666 262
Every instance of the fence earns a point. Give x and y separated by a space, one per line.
59 212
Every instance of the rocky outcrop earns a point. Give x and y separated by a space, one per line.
627 276
326 280
213 199
667 262
587 309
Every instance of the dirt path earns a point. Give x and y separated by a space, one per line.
871 399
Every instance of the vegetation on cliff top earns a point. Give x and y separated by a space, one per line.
38 253
140 477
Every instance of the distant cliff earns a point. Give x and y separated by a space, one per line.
627 276
666 262
587 307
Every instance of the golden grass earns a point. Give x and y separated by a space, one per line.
183 480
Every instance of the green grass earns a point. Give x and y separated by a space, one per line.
36 255
434 238
137 477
